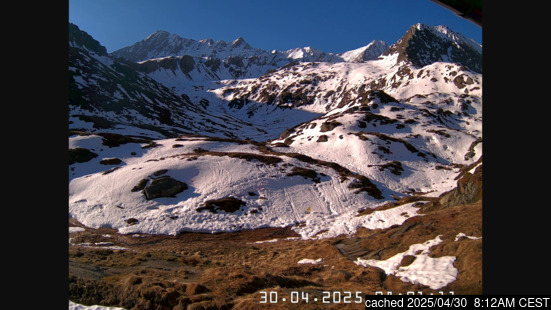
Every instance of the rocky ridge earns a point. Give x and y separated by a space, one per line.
423 45
218 60
108 94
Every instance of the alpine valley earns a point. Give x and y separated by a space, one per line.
209 175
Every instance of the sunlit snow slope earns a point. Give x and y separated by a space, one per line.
306 145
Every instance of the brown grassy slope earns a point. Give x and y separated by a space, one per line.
230 270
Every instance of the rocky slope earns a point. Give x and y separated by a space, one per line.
369 52
423 45
177 61
110 95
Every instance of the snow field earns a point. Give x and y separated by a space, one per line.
347 223
365 157
107 200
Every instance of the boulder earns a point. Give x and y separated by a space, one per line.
468 190
322 138
80 155
164 186
111 161
228 204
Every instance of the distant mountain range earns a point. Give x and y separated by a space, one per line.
237 59
163 44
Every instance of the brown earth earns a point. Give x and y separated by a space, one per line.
231 271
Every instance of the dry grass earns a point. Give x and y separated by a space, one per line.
230 270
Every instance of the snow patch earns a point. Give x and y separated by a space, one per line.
75 229
461 235
348 222
75 306
432 272
310 261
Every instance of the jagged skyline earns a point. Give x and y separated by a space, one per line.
333 27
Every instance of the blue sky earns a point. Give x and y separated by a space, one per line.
332 26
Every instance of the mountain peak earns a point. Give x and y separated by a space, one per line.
81 38
369 52
446 33
240 42
419 26
158 34
208 42
422 45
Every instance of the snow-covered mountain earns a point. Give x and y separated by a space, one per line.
308 143
163 44
423 45
322 87
369 52
109 95
179 61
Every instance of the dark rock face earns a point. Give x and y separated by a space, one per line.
462 80
116 88
380 95
82 38
323 138
152 44
213 63
105 84
114 139
422 45
164 186
328 126
80 155
468 190
228 204
183 63
141 185
111 161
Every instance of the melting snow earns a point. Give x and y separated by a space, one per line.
75 229
433 272
75 306
310 261
460 235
